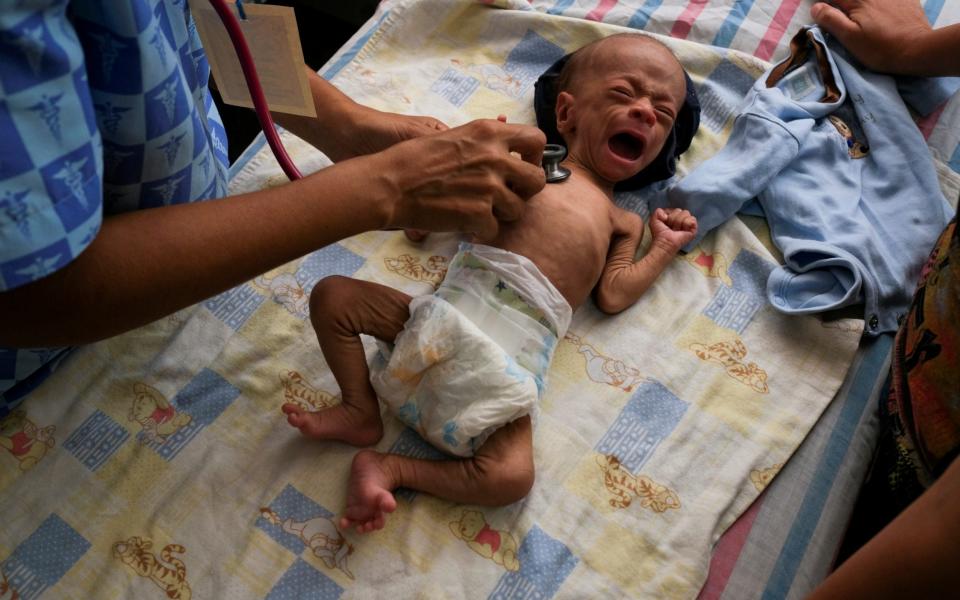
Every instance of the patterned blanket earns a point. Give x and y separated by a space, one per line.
158 462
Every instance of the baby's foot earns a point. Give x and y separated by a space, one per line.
369 494
343 422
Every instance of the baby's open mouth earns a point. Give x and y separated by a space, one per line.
626 145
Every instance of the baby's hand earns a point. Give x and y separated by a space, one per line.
674 227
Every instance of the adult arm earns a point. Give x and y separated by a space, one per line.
150 263
624 280
891 36
344 129
915 556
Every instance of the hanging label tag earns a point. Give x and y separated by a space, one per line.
800 84
271 33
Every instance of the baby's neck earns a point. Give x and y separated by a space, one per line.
581 170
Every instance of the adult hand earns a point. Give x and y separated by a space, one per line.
418 235
884 35
368 131
465 179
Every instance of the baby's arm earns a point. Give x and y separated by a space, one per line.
624 280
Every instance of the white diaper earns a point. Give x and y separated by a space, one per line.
474 355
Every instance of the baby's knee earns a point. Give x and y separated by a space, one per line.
330 291
516 484
329 297
509 480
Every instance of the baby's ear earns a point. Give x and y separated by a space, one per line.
564 112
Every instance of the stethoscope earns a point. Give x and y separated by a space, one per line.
253 83
553 154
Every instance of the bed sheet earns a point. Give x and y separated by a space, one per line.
786 542
157 463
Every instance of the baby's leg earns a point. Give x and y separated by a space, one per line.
501 472
340 310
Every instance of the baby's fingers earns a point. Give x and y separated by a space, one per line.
676 218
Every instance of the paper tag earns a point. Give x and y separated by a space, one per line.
271 33
800 84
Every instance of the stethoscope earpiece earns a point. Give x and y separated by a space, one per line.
553 155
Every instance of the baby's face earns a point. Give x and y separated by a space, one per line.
621 106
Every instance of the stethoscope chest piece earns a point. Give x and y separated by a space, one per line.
553 155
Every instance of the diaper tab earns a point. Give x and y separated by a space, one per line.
537 295
507 297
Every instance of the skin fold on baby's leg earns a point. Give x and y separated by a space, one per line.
500 472
340 310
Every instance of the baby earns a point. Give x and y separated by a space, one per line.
468 363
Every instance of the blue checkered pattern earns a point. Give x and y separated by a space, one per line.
545 563
648 418
42 559
455 87
104 108
303 582
291 504
96 440
531 57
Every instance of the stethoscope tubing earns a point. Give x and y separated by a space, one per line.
256 90
555 173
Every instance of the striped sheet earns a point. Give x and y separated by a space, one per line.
783 546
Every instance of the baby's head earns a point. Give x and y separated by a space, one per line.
617 100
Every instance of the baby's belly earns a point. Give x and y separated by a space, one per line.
572 260
566 232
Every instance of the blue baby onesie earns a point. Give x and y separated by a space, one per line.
844 179
104 108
